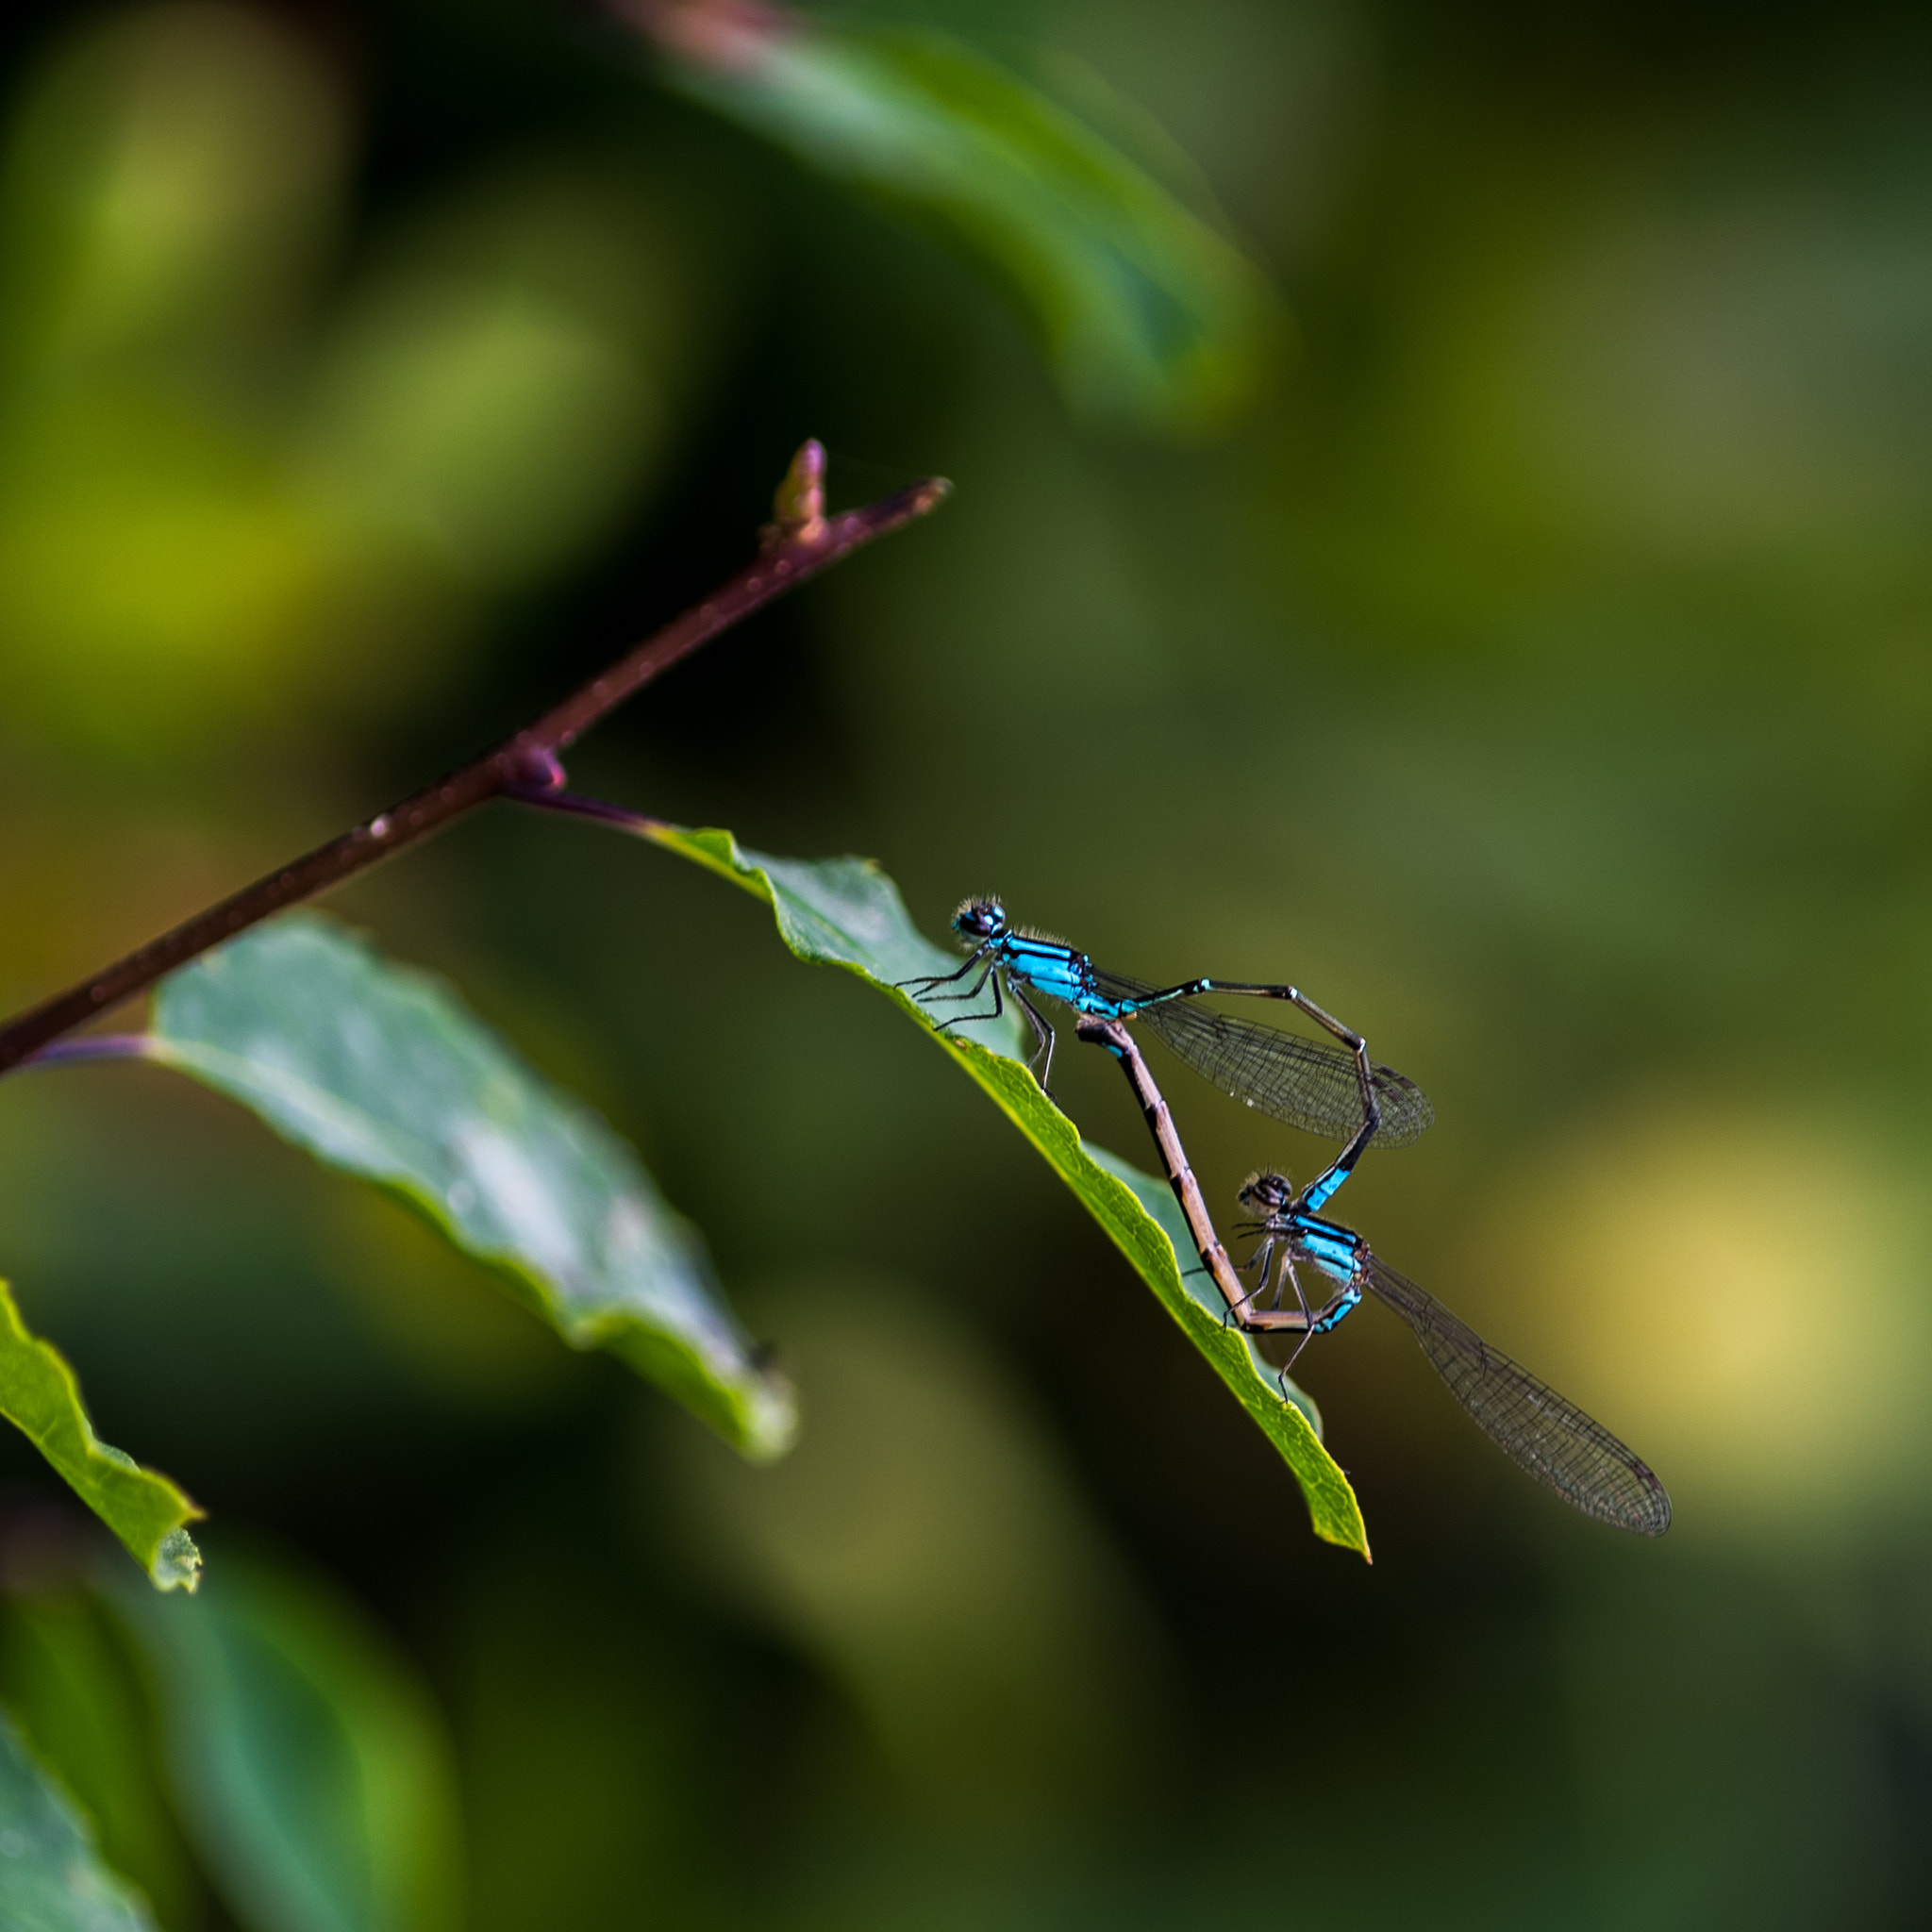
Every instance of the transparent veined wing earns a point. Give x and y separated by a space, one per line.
1564 1449
1310 1084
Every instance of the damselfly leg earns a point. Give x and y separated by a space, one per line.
1308 1321
1258 1262
972 993
1042 1040
930 980
992 972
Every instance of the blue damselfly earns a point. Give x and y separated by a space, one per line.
1307 1083
1552 1438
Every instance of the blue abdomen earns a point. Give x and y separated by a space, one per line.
1344 1301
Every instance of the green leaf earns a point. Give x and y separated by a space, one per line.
382 1071
82 1705
40 1397
846 912
51 1878
308 1762
1149 316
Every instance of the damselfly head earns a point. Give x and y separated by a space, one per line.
1266 1193
980 919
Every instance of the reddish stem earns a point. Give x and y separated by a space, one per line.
801 543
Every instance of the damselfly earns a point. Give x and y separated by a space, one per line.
1307 1083
1551 1438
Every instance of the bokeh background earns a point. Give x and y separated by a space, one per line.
1535 669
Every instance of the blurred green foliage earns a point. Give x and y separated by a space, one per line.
1151 317
271 1730
183 379
51 1878
1537 672
310 1769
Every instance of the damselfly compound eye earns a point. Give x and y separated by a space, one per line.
980 917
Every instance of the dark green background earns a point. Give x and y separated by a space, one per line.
1540 677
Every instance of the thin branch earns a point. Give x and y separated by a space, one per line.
575 804
803 541
91 1046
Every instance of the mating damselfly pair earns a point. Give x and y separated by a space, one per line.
1335 1090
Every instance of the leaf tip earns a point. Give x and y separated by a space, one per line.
770 1426
176 1561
